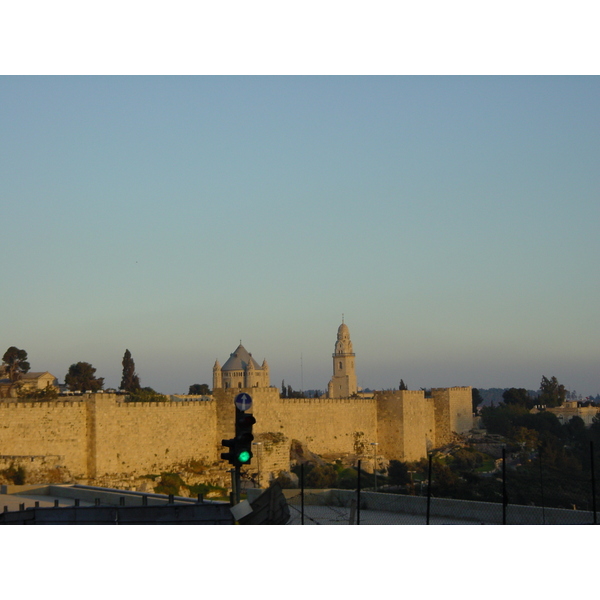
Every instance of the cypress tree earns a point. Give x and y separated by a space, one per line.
130 381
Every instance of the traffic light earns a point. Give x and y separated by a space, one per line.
230 456
243 436
240 446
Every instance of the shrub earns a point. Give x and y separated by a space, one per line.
15 475
169 484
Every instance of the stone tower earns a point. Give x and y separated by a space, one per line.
343 382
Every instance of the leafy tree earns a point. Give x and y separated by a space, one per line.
501 419
48 393
319 476
398 473
15 363
199 389
402 385
464 460
283 389
476 399
130 381
146 394
80 378
519 396
551 392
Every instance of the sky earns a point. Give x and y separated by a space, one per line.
451 220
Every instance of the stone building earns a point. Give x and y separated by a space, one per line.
240 371
31 381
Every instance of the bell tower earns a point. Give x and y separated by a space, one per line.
343 383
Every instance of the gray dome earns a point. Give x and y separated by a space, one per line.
239 360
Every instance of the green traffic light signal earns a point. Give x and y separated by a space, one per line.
244 456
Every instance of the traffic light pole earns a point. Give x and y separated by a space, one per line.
240 446
236 487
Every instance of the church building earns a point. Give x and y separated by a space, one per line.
240 371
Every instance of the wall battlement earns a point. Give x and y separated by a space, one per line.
42 404
323 401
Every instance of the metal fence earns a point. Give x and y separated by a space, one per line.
533 496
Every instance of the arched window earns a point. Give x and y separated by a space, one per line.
340 367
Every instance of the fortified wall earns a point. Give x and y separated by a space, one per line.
32 429
102 435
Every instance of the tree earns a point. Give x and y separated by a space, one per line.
518 396
476 399
130 381
15 362
398 473
146 394
47 393
402 385
551 392
80 378
199 389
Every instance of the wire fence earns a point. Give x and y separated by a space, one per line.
537 495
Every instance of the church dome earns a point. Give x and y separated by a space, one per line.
239 360
343 331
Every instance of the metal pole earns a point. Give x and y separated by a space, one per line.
542 488
429 489
258 453
238 471
233 502
302 493
504 497
593 481
358 496
374 444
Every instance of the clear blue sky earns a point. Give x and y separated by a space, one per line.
454 221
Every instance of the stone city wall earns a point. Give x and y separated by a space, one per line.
32 429
102 435
323 425
149 437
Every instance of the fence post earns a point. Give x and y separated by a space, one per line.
429 489
593 481
542 488
504 497
302 493
358 496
